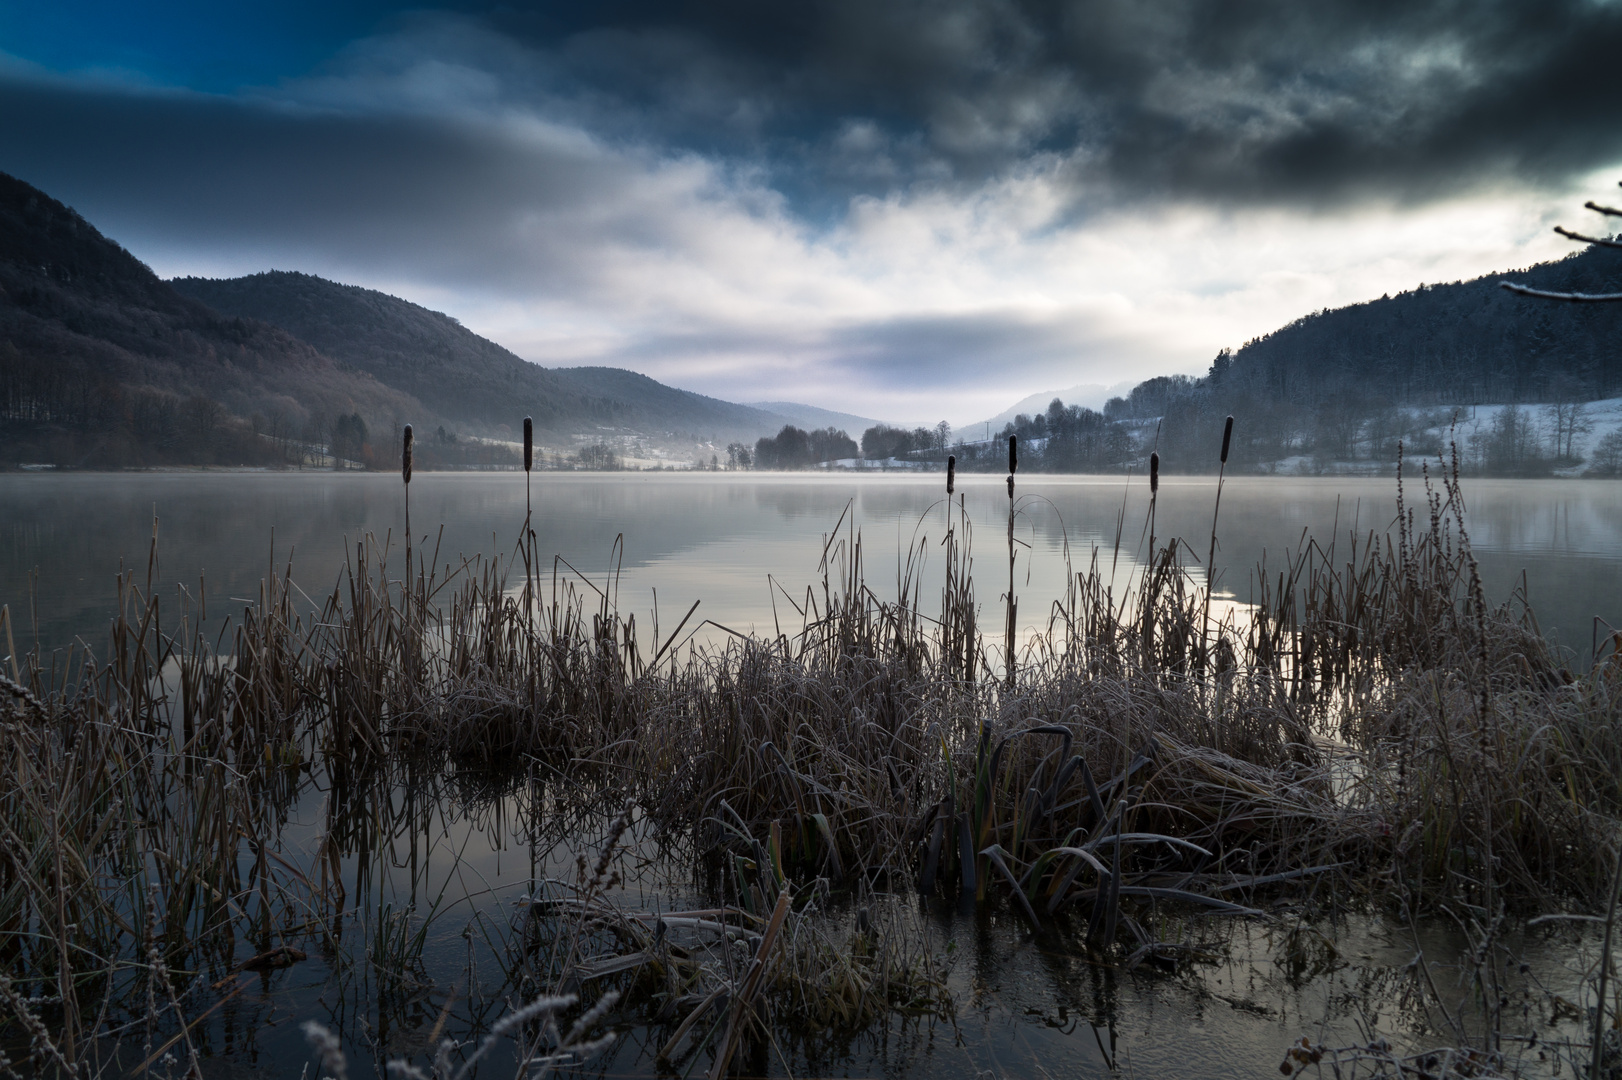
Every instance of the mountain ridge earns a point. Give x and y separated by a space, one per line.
102 363
812 417
470 379
1088 395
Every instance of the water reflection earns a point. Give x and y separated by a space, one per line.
717 537
448 863
438 868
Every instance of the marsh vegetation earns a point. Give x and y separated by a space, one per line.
1370 733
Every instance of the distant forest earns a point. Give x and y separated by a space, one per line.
1349 384
793 448
1333 389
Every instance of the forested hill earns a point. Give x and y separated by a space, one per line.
469 379
102 363
1350 383
1465 342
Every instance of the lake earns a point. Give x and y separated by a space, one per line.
458 857
723 538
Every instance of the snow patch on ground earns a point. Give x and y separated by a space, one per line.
1469 426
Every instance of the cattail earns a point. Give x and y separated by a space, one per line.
405 456
1013 466
1210 559
1154 496
951 472
529 443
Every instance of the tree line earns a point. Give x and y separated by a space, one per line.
1352 383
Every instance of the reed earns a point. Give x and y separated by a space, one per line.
958 637
529 462
1154 495
1012 606
1210 558
1373 722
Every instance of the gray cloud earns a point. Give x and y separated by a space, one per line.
177 170
1249 101
758 200
1233 99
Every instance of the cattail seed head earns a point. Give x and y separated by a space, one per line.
1154 473
529 443
1013 454
951 472
405 456
1010 487
1227 437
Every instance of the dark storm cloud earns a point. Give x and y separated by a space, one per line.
800 200
1228 100
441 197
963 348
1231 99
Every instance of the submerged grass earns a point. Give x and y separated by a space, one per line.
1371 721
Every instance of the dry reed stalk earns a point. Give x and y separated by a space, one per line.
1012 605
1154 495
856 747
1210 558
409 637
529 462
1597 1043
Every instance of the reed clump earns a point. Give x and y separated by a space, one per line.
1371 719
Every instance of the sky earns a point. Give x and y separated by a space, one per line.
899 209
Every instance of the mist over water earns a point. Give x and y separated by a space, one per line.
748 545
465 861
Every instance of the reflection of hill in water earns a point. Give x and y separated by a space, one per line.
716 537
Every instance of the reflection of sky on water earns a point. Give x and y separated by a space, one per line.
457 853
1023 1003
717 537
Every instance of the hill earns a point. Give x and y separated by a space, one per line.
1471 341
471 381
1087 395
812 418
1347 384
102 363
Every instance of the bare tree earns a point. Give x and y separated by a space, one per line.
203 418
1607 457
1576 297
1567 417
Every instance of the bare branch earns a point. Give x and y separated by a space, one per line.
1571 297
1598 209
1602 242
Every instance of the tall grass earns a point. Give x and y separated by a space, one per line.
1372 720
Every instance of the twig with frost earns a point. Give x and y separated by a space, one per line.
1569 297
1575 297
571 1049
334 1066
41 1046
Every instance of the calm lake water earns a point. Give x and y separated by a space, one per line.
1026 1006
722 539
